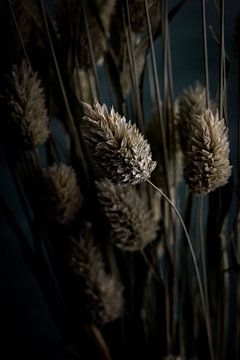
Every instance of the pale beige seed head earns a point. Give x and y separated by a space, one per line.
27 107
132 224
62 196
103 291
116 146
191 103
207 158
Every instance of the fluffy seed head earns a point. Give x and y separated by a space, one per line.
191 103
63 198
207 158
116 146
27 108
132 224
103 292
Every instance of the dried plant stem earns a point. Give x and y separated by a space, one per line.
158 98
237 343
91 50
203 261
19 33
205 51
102 348
222 62
72 128
198 277
134 68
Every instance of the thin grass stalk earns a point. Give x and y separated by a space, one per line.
203 262
158 98
91 51
72 128
200 204
194 260
221 61
225 296
205 51
137 93
19 33
102 348
237 342
132 63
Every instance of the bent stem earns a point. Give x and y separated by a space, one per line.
199 281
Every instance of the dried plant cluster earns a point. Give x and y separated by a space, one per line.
27 104
62 196
103 292
207 158
127 213
127 261
116 146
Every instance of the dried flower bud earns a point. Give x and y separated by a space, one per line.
116 146
103 292
27 107
191 103
63 198
207 158
131 222
153 134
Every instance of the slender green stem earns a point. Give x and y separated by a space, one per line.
198 277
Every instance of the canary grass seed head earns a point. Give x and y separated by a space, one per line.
132 225
191 103
27 108
103 291
62 196
207 159
116 145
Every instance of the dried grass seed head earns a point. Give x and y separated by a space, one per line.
26 100
116 146
191 103
62 196
103 292
132 224
207 158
